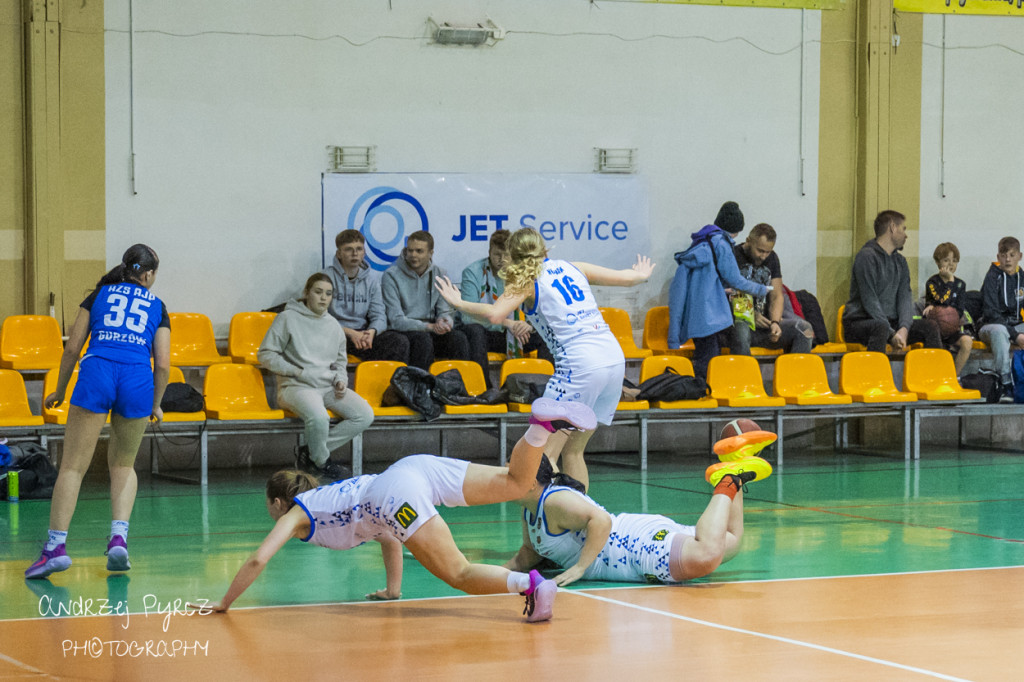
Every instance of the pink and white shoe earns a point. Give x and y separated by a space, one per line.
557 414
540 598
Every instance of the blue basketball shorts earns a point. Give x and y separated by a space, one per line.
104 385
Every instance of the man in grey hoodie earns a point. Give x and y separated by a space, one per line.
416 309
358 304
881 308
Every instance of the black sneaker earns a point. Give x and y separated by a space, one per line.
329 471
335 471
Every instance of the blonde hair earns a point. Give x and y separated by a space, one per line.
288 483
526 253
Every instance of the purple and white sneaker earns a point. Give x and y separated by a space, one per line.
556 414
540 598
50 561
117 554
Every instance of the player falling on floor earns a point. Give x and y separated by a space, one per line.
397 507
564 525
556 298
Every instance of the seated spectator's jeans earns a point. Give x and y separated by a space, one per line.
997 336
388 345
425 346
792 339
875 333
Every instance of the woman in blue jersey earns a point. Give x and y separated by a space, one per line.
398 507
562 524
124 373
555 295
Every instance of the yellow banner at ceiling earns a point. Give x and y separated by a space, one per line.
1013 8
785 4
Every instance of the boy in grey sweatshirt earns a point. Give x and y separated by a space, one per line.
416 309
358 304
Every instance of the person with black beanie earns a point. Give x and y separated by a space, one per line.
698 306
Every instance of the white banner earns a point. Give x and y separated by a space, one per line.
601 219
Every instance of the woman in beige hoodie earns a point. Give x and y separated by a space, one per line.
305 349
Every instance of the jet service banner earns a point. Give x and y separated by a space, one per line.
601 219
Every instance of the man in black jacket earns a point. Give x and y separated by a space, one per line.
881 308
1002 298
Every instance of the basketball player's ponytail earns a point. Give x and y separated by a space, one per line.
288 483
137 260
526 254
546 476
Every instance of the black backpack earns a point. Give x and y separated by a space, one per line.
670 385
36 474
180 397
986 381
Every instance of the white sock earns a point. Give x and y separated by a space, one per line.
518 582
57 537
537 435
119 528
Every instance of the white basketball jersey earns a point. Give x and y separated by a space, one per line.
338 517
637 549
566 315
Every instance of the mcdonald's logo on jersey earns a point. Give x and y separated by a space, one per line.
405 515
660 535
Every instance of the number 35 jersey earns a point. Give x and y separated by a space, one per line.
566 316
123 319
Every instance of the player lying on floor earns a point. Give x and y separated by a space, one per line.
397 507
562 524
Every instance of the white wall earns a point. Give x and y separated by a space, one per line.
982 92
235 102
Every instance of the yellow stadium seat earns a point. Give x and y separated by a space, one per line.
246 334
59 413
867 378
192 341
653 366
177 376
839 332
617 320
656 334
496 357
14 407
735 380
523 366
800 379
30 342
236 392
473 378
931 374
372 379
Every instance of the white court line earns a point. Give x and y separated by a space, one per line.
776 638
23 666
643 586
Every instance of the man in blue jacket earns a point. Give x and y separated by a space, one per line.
698 305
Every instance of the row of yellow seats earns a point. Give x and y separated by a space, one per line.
33 342
237 391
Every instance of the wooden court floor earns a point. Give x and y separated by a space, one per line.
853 568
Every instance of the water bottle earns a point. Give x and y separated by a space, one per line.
12 486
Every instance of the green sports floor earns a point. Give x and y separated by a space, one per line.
824 515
